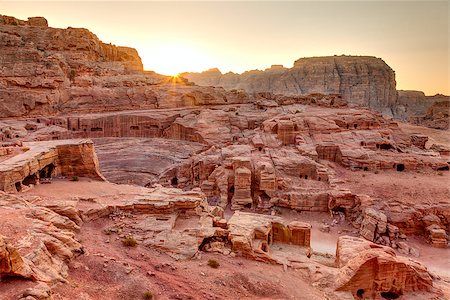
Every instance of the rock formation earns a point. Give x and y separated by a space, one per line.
40 161
361 80
216 174
48 70
393 276
429 111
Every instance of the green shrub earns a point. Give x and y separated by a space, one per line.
25 149
147 295
129 242
74 178
213 263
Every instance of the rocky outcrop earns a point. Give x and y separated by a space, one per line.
40 161
429 111
35 242
362 80
370 271
46 71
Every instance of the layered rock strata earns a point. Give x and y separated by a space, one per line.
39 161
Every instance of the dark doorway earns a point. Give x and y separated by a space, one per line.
400 167
389 295
18 186
30 179
360 293
47 171
174 181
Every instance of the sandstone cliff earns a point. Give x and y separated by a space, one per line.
362 80
45 71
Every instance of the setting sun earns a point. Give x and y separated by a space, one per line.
172 58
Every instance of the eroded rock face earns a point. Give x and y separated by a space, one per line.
44 160
361 80
371 271
35 242
46 71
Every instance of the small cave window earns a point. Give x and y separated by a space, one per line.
18 186
174 181
363 143
366 169
306 176
134 127
265 247
389 295
260 149
444 168
385 146
355 126
320 179
360 293
96 129
301 176
400 167
38 121
248 205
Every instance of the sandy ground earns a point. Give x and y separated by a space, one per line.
428 187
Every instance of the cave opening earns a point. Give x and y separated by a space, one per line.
264 247
30 179
385 146
360 293
390 295
47 171
400 167
444 168
174 181
18 186
338 209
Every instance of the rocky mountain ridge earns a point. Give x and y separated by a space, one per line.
361 80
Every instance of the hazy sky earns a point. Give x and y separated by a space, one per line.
171 37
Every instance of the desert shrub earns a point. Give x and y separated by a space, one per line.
25 149
440 173
376 172
213 263
74 178
129 241
147 295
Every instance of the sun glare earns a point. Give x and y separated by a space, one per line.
172 59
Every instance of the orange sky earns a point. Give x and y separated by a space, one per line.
172 37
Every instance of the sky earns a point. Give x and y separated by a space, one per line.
412 37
